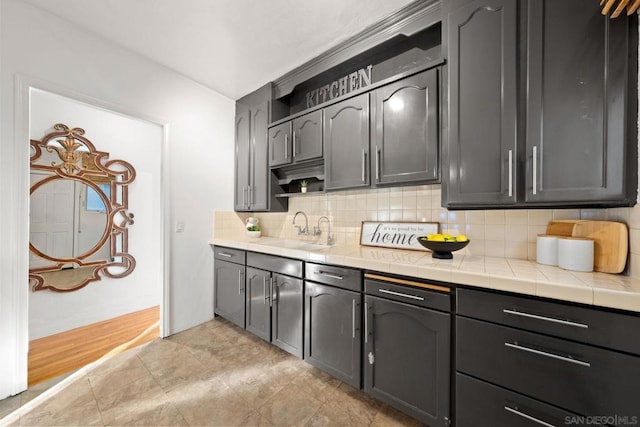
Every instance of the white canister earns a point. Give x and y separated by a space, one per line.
575 253
547 249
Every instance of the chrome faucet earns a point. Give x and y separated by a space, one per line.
317 231
301 230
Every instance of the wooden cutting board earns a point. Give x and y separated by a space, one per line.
611 240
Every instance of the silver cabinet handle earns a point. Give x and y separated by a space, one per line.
264 289
400 294
244 196
286 145
366 322
364 164
527 416
226 255
544 353
251 201
353 319
378 163
535 170
273 291
329 275
239 282
295 151
510 173
545 318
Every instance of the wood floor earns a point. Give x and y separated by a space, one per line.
67 351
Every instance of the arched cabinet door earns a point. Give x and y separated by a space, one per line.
404 131
346 137
481 148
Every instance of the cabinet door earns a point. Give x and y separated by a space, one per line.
242 157
405 131
287 314
332 331
481 146
228 286
577 96
407 358
346 136
307 136
259 189
280 145
258 303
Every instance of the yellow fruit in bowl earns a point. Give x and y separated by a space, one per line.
461 238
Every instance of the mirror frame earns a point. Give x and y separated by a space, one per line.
91 167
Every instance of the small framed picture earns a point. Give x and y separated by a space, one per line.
398 235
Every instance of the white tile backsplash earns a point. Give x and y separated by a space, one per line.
500 233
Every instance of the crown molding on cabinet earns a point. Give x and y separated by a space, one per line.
416 16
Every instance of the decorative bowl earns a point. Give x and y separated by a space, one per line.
442 250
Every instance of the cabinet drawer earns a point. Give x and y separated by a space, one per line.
589 325
408 294
341 277
480 404
580 378
228 254
286 266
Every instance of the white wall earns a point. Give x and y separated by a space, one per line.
139 143
47 52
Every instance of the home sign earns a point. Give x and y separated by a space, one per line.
342 86
398 235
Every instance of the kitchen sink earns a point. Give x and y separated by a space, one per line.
298 244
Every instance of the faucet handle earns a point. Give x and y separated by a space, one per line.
317 231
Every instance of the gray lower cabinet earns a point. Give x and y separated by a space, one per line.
229 284
346 139
274 301
407 350
333 318
404 131
332 331
538 364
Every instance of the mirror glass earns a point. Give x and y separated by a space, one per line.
78 212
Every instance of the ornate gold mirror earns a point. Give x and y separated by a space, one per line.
78 212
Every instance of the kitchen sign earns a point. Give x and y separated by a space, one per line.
349 83
398 235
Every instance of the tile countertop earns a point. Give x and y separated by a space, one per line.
505 274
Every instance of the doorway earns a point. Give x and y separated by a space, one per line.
108 314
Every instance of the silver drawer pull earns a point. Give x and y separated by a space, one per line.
551 355
400 294
527 416
224 254
329 275
548 319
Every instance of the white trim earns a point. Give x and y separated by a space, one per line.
24 84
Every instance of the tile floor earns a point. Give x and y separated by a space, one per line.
214 374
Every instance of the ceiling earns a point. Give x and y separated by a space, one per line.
231 46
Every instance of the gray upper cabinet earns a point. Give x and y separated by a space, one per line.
296 140
346 138
539 106
251 161
279 148
577 76
481 148
404 134
307 136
